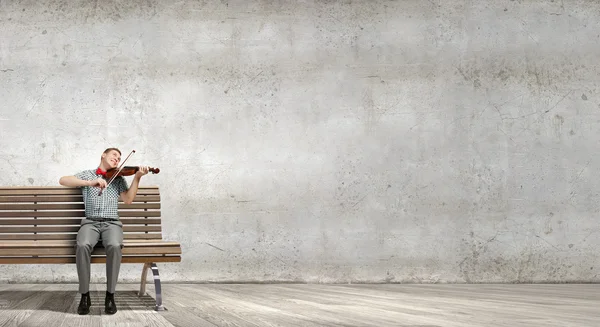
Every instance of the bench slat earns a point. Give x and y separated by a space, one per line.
62 191
64 236
79 213
42 206
20 252
72 198
74 221
60 187
71 206
71 243
70 229
60 260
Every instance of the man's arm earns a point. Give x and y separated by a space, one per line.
129 195
72 181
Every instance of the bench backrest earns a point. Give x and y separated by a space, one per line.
55 213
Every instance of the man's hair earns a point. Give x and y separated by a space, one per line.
110 149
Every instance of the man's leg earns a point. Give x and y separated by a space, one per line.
87 237
112 239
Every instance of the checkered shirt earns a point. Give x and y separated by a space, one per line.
105 206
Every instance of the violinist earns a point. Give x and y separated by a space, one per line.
101 197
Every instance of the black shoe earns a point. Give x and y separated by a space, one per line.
109 303
84 304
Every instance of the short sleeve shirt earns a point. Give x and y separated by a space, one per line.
106 205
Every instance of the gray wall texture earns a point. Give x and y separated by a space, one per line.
322 141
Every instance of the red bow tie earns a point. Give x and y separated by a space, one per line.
100 172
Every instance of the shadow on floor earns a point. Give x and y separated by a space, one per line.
67 301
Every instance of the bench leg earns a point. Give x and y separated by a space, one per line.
159 306
143 283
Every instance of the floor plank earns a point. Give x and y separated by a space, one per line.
271 305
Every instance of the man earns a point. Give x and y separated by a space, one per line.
101 222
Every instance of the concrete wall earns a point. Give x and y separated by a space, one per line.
328 141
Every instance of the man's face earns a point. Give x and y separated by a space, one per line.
112 158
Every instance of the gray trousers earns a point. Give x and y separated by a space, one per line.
111 234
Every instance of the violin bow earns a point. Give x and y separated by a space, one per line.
117 173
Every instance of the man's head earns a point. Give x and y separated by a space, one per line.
110 158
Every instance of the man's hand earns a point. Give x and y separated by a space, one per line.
100 182
142 171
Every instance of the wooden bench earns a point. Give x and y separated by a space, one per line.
38 225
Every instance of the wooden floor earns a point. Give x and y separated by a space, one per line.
197 305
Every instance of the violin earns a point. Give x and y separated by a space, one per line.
127 171
124 171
